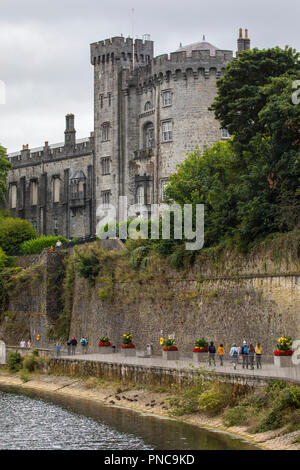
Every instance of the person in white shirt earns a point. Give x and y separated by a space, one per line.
22 344
58 244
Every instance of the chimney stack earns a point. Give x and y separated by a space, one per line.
243 44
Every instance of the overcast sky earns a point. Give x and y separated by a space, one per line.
44 50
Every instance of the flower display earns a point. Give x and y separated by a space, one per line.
284 347
169 344
104 341
127 341
201 345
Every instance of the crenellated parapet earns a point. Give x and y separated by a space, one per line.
120 49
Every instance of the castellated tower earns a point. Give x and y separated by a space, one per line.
149 112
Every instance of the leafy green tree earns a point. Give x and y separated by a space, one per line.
240 97
13 232
5 165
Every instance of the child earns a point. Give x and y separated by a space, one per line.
221 352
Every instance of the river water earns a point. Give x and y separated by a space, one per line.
46 421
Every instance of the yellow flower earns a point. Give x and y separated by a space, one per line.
162 341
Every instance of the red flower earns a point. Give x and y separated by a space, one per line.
283 353
127 346
197 349
170 348
101 344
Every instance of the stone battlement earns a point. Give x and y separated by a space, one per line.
120 48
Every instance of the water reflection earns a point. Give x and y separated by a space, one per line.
46 421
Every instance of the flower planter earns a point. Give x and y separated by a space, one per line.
283 359
128 350
200 356
171 355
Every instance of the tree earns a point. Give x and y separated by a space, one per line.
13 232
240 95
5 165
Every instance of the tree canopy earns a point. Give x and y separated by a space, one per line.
5 165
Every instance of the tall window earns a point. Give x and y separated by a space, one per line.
56 190
167 131
140 194
105 164
105 196
167 98
13 196
148 106
225 134
109 99
101 101
148 136
105 131
34 193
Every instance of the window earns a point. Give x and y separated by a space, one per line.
167 98
101 101
105 131
140 194
148 106
105 196
105 164
13 196
167 131
148 136
163 185
225 134
109 99
56 190
33 193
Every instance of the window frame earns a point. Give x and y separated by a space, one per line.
170 101
169 132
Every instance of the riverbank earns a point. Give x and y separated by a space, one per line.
144 400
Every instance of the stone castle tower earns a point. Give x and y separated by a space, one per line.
148 113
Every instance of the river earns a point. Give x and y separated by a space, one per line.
33 421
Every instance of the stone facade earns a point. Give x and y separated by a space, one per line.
148 112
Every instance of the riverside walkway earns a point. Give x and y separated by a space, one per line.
268 371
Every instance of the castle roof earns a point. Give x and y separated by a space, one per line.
198 46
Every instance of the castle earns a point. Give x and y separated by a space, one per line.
148 112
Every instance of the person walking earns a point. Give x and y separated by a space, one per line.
22 344
84 343
245 354
221 352
58 349
258 354
251 353
73 346
211 353
234 354
69 346
28 344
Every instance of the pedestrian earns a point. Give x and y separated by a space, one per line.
58 349
251 353
258 354
84 343
234 354
73 346
69 346
221 352
58 244
245 354
22 344
29 344
211 353
51 249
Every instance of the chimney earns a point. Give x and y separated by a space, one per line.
70 134
246 41
243 44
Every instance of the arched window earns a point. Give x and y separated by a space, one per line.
148 136
148 106
105 131
140 194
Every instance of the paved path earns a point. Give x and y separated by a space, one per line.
268 369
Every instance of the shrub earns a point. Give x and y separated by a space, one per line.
3 259
29 363
24 375
87 265
235 416
14 362
37 245
217 397
13 232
